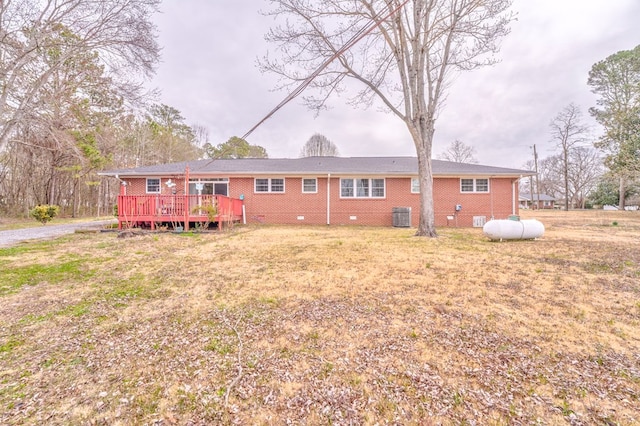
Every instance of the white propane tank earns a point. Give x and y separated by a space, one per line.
507 229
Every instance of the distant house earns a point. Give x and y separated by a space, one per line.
378 191
539 201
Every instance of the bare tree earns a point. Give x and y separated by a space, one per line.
527 185
459 152
39 38
201 135
550 176
583 174
319 146
568 132
407 51
585 171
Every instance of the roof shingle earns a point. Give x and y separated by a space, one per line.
383 166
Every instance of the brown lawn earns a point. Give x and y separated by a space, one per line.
325 325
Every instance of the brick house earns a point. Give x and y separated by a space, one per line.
537 201
315 190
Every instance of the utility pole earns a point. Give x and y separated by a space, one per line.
535 163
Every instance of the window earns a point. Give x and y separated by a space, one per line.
482 185
346 187
262 185
153 186
310 185
277 185
415 185
474 185
466 185
377 188
269 185
362 188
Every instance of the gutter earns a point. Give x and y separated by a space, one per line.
123 185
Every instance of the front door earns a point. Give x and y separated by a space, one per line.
203 189
199 189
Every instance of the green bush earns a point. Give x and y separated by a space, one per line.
44 213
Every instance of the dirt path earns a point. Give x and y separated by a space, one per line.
14 236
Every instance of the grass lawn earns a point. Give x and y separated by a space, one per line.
325 325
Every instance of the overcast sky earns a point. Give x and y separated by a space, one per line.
208 72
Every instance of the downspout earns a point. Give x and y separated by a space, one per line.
491 197
513 197
328 198
123 185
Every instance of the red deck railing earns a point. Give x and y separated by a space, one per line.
151 210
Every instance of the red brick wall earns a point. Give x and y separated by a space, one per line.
293 206
498 203
138 186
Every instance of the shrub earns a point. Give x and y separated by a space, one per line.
44 213
210 210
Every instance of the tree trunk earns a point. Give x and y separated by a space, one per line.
52 189
566 180
75 200
422 134
623 189
426 222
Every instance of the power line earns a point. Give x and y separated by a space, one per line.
359 35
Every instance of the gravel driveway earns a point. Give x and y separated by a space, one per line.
14 236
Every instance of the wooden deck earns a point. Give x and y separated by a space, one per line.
177 210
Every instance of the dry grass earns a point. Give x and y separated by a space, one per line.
317 325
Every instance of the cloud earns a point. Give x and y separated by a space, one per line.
209 73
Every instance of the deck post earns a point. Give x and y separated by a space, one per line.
123 191
186 198
120 209
220 203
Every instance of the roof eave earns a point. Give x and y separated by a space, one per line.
310 173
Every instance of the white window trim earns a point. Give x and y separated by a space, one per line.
146 187
355 188
270 185
475 186
316 185
416 179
